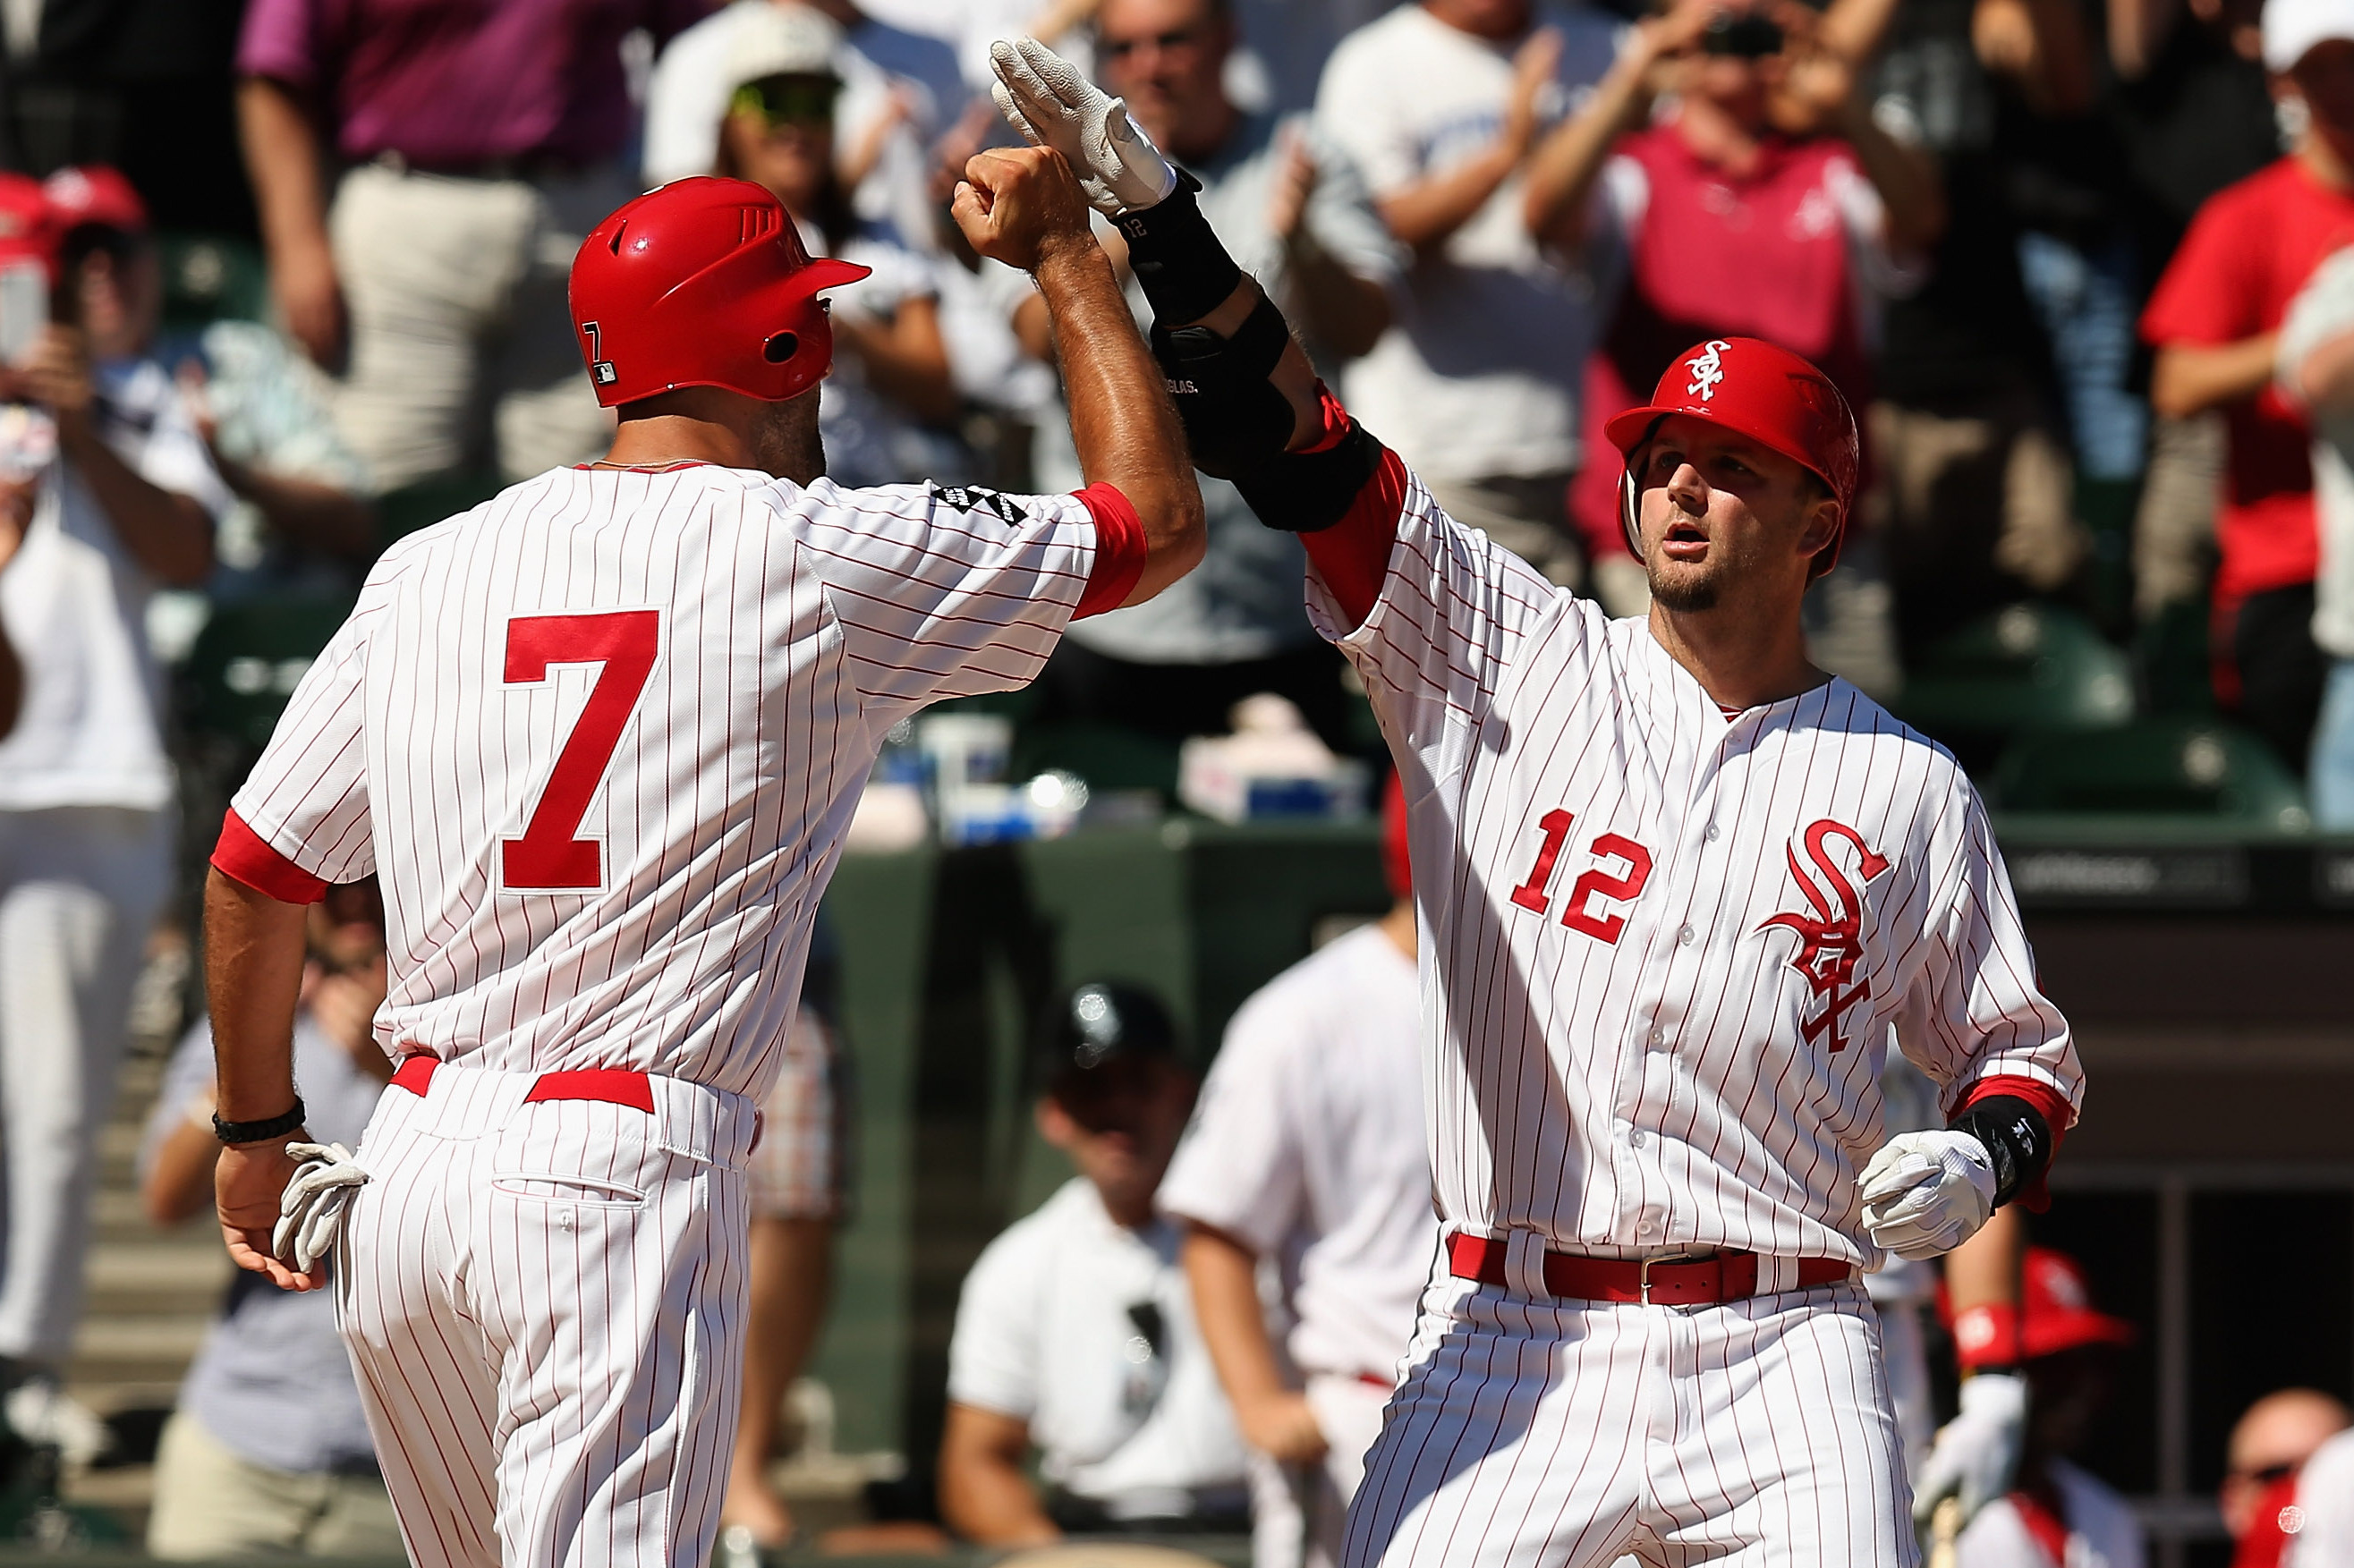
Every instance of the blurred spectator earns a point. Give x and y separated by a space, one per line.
1295 215
901 93
115 494
798 1196
1730 227
2191 107
1075 1331
969 26
1973 497
1309 1158
2213 321
478 144
1285 45
2326 1493
2055 1512
1477 387
2269 1444
296 521
891 369
2314 375
268 1451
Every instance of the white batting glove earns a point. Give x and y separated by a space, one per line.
1044 96
1977 1452
311 1212
1926 1194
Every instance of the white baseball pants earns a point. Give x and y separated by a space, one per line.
545 1304
1537 1434
80 889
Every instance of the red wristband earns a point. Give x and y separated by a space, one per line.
1986 1336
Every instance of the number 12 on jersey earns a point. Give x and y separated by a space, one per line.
1597 882
551 856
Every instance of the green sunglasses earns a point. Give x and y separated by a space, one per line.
796 99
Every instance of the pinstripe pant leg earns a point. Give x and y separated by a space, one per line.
1514 1441
1784 1450
425 1369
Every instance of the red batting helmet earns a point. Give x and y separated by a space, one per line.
1765 393
703 283
28 224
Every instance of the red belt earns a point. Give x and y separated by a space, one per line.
1695 1282
616 1085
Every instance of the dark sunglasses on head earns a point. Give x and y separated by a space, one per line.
1120 49
789 100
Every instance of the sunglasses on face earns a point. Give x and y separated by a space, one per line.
1120 49
789 100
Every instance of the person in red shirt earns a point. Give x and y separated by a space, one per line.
1730 227
2213 318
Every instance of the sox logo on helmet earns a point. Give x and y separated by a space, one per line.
1762 391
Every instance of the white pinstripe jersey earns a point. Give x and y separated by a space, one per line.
1662 950
601 736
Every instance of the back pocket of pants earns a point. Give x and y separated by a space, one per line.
575 1189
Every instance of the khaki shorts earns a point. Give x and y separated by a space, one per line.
211 1502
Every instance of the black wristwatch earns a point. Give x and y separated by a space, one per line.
235 1132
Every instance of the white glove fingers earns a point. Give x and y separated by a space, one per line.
1013 115
1055 73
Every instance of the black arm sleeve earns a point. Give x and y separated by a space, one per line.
2015 1134
1182 266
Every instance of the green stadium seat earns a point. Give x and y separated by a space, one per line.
2171 653
207 276
247 660
402 512
2027 667
2160 766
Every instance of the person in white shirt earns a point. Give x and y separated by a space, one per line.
901 92
2314 368
1075 1333
118 498
1441 105
2056 1513
1307 1155
2324 1490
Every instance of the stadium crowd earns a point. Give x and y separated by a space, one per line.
2087 270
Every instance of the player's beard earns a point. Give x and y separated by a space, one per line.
787 442
1684 594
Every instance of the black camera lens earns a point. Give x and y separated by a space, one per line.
1746 36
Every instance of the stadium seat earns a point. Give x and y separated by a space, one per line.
2160 766
247 660
2027 667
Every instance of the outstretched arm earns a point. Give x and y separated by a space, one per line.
1022 206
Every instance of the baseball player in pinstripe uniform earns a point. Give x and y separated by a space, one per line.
600 739
1677 889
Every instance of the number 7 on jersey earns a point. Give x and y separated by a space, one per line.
551 857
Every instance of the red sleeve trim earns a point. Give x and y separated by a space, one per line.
1121 550
1352 555
2049 1103
243 856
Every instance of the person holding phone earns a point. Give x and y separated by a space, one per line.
109 495
1730 227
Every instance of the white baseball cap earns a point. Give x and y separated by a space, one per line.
787 41
2292 28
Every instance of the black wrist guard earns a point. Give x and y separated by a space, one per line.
1224 391
2015 1135
1306 492
235 1132
1182 268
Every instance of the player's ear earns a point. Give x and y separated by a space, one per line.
1819 525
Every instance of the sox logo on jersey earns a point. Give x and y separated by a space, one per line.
1831 939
